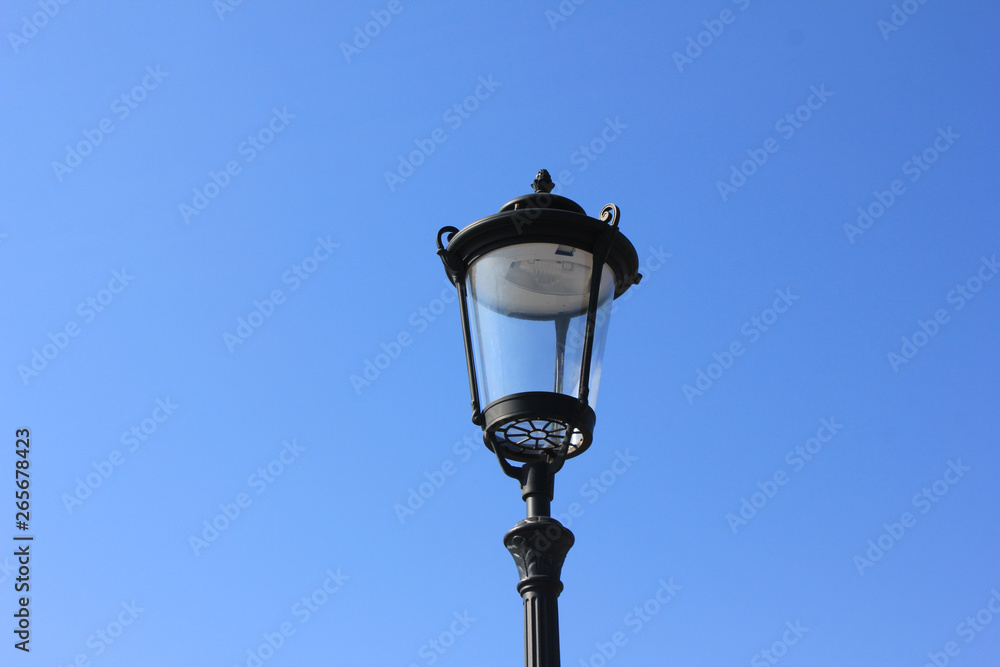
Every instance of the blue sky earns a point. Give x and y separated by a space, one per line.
219 217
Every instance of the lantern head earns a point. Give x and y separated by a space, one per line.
536 282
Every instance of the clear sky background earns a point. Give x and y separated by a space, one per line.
828 495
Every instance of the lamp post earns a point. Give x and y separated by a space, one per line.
535 285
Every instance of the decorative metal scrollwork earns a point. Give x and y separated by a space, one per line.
451 234
452 266
610 213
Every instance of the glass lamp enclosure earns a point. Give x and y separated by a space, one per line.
528 306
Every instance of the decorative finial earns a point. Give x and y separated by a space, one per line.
542 182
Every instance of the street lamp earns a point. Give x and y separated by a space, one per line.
535 284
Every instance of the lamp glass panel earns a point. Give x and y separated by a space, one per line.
528 306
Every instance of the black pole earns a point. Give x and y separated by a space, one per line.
539 545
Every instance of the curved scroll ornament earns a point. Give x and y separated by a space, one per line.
451 234
539 546
610 213
452 266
